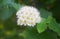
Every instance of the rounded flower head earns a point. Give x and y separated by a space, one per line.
28 16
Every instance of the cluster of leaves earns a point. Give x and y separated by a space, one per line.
49 28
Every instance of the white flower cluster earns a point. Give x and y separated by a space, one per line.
28 15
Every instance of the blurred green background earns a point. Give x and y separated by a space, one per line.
8 25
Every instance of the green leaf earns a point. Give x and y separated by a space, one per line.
41 27
16 6
52 24
33 34
8 2
44 13
6 12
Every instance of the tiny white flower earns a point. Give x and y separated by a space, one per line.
28 16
